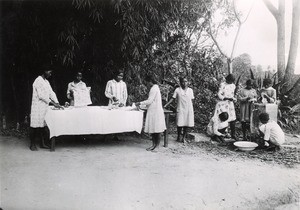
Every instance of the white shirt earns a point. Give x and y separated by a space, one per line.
215 125
116 89
272 132
226 91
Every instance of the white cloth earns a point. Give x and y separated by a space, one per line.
41 95
92 120
226 91
155 119
82 97
215 125
81 94
116 89
272 132
185 110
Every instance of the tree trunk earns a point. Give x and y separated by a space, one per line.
279 15
229 65
290 69
281 40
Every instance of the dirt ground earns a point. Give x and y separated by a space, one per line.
120 174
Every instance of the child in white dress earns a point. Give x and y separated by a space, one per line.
185 110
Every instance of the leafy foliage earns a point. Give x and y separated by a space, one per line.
161 37
289 117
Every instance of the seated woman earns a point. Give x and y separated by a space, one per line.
267 94
217 127
271 132
79 89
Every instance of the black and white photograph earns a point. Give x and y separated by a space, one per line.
149 104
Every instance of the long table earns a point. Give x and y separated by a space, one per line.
91 120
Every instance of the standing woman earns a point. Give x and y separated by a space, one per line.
246 97
77 84
155 119
42 95
226 96
185 110
268 93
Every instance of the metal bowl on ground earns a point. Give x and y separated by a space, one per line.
245 145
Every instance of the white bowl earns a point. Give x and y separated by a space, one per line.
245 145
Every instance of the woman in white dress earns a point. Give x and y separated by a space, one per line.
42 95
185 110
155 119
226 102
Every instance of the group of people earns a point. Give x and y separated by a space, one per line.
225 116
116 92
155 119
77 93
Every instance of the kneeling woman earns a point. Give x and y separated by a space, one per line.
155 120
217 127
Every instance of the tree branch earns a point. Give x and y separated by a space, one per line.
271 7
211 35
238 31
235 13
216 43
249 12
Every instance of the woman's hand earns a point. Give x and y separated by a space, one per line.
264 95
137 104
58 106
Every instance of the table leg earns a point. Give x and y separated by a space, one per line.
52 144
166 132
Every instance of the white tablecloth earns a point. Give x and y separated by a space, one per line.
92 120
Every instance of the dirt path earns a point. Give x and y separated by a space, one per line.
123 175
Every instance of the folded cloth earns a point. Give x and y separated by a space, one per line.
82 97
